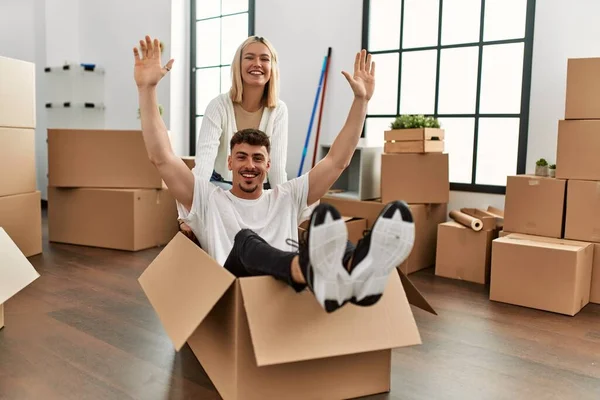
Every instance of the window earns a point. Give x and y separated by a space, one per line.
217 29
466 62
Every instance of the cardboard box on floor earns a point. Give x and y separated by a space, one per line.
595 287
463 253
17 93
257 338
123 219
582 97
100 159
415 178
426 217
21 218
542 273
535 205
17 155
16 272
576 152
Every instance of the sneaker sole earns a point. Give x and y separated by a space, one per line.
392 240
327 239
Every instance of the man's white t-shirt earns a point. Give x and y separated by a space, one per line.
217 215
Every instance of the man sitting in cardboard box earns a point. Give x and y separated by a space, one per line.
252 231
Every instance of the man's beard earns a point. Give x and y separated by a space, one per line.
248 190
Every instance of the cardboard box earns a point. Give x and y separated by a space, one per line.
595 287
463 253
355 226
415 178
21 218
582 97
100 159
190 161
408 135
576 153
16 272
415 146
17 93
367 209
250 334
582 220
17 161
542 273
535 205
427 217
123 219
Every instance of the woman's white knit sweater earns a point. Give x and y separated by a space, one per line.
218 126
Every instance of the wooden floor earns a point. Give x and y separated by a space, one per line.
85 330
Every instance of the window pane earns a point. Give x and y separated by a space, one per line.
458 80
497 146
417 85
501 78
225 79
497 15
235 31
207 87
208 8
234 6
460 21
374 128
385 98
384 25
198 126
458 138
420 23
208 35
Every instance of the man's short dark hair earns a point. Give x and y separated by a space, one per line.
253 137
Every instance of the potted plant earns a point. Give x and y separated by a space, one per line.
552 170
414 133
541 167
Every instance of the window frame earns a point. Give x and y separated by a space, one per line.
193 63
523 115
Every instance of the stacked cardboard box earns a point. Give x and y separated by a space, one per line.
464 244
20 201
419 178
551 261
104 191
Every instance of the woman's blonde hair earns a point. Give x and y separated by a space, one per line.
271 93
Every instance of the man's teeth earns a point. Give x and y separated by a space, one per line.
248 175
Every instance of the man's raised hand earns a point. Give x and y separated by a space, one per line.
147 70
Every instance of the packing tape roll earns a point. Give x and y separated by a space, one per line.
467 220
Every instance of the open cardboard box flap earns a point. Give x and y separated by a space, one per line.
287 327
16 272
183 285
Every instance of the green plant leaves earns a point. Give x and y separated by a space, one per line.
411 121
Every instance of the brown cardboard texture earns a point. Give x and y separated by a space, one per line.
409 135
16 272
582 97
100 159
17 155
368 209
415 178
426 217
21 218
257 338
17 93
463 253
123 219
542 273
355 227
595 288
576 153
582 217
414 146
190 161
535 205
